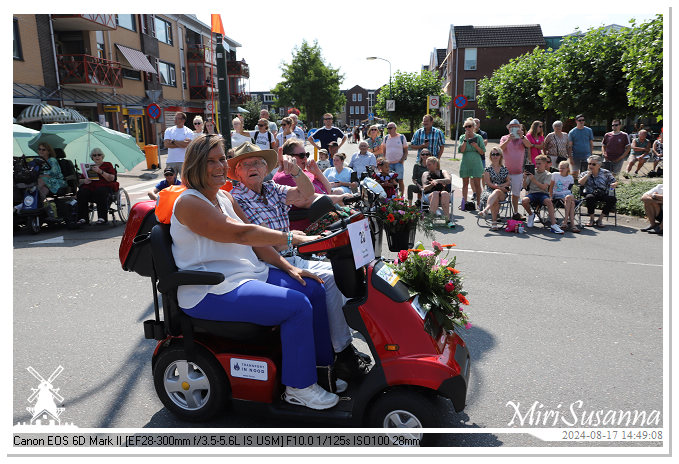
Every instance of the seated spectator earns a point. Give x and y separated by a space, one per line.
211 233
497 182
653 205
641 149
598 184
435 185
362 158
559 189
170 179
537 186
323 161
96 190
657 150
267 204
339 176
386 178
51 180
418 170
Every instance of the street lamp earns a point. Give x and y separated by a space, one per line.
378 58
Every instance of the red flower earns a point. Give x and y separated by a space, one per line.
449 287
462 299
402 255
384 209
390 217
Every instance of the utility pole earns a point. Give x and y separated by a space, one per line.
224 97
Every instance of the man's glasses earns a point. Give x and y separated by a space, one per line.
615 125
580 120
301 155
468 127
168 174
263 125
391 127
592 164
251 164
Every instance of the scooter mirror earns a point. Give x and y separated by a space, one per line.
320 207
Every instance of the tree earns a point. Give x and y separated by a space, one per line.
410 90
252 116
310 84
585 75
643 67
513 89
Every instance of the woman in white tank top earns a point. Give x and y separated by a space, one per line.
210 233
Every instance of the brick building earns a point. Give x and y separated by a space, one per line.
109 67
474 52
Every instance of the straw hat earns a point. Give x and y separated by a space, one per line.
250 150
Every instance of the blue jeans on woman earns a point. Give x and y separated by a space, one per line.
298 309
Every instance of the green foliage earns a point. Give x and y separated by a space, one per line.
410 90
629 196
436 282
395 215
643 67
250 119
309 84
585 75
513 89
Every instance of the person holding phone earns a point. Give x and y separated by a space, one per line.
513 146
537 186
429 137
471 146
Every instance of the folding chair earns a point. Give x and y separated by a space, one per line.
505 212
580 202
424 206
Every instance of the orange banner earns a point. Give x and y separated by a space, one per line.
217 26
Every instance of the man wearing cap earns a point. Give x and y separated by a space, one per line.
176 139
581 144
513 146
170 179
327 134
267 204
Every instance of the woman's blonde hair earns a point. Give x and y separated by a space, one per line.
502 156
194 169
469 121
434 160
567 164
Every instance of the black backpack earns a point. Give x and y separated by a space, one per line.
254 139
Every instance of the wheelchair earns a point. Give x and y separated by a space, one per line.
118 200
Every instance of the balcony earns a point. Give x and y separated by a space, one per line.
84 22
239 98
237 68
86 71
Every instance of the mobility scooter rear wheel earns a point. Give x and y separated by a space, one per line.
34 224
406 409
193 391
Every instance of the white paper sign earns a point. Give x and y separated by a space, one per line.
249 369
391 105
361 242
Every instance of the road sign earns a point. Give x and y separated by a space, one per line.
460 101
153 110
434 102
208 107
391 105
371 116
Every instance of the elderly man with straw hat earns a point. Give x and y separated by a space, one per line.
267 204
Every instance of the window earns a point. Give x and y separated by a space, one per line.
468 114
353 97
184 76
18 54
268 97
101 52
470 59
126 21
351 110
167 74
131 74
469 89
163 30
360 97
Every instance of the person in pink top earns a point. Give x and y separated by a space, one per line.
536 138
513 146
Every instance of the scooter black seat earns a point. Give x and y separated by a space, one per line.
238 331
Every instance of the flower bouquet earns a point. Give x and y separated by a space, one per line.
400 222
436 284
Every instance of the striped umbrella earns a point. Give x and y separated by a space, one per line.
48 114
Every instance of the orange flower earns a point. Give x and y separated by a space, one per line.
462 299
449 245
414 250
454 271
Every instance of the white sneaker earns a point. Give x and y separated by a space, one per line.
556 229
531 220
313 397
439 213
341 386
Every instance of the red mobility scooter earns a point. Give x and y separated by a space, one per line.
200 365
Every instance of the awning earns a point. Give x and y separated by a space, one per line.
136 59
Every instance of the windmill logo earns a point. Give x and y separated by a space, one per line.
45 410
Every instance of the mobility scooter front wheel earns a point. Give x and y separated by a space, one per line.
193 390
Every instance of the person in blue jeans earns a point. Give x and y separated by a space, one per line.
170 179
580 144
210 232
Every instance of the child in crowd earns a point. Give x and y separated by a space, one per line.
386 178
537 186
323 161
418 170
559 189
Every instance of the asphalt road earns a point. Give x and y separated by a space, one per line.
556 320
